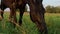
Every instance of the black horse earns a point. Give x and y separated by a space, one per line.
36 12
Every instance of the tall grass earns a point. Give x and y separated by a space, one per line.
28 27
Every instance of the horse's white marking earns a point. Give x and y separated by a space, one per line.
7 10
28 8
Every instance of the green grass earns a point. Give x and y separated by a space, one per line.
28 27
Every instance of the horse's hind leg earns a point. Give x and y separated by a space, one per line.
22 10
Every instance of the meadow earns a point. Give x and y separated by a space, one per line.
28 27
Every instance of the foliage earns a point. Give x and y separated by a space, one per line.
52 9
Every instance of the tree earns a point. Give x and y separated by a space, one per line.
52 9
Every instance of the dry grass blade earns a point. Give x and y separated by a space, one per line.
22 30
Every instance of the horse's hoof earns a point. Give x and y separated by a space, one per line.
1 18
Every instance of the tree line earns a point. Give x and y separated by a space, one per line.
52 9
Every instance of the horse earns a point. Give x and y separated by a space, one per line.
36 12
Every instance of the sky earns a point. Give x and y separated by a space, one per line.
48 2
51 2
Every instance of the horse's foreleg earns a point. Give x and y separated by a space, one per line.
1 12
13 12
21 14
13 15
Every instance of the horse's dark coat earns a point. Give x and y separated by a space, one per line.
36 11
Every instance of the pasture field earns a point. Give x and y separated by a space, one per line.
28 27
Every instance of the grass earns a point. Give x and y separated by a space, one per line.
28 27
